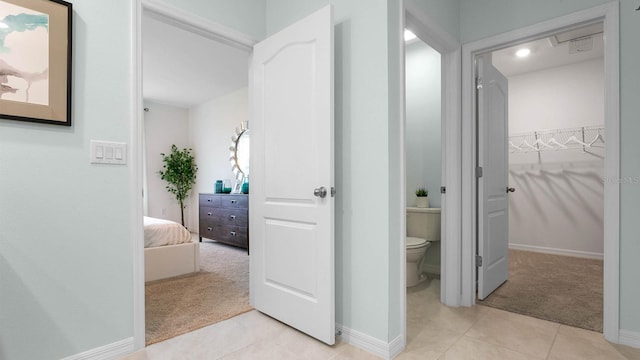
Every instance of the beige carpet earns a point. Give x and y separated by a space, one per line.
182 304
562 289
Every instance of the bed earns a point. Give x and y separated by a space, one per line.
169 250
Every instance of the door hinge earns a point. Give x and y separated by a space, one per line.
478 83
479 172
478 260
443 189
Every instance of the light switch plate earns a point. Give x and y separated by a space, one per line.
108 152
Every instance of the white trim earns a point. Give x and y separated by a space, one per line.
630 338
556 251
136 177
110 351
369 343
609 14
182 19
402 188
189 22
426 29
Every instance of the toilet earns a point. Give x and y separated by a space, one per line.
423 231
416 250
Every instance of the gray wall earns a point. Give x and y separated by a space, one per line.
423 127
65 246
483 18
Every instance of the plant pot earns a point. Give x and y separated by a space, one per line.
422 201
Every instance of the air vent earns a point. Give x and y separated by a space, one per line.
577 34
580 45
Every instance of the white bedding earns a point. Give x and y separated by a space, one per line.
158 232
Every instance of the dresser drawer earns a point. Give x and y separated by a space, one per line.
234 201
238 217
209 200
235 235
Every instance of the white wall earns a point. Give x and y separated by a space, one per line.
164 125
423 126
558 203
211 126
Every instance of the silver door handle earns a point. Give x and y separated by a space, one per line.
320 192
510 189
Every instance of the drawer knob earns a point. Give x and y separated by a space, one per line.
234 201
232 217
208 200
209 213
233 233
209 229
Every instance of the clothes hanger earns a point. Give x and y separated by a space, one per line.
555 142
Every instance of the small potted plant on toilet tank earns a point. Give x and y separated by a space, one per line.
422 198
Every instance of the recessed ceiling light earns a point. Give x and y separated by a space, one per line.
524 52
408 35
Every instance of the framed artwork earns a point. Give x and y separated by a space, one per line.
35 61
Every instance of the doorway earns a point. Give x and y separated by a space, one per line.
608 15
556 146
198 105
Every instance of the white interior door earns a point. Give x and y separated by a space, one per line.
292 205
493 211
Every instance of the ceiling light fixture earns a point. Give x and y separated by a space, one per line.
524 52
408 35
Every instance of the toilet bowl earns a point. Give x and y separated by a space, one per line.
416 250
423 232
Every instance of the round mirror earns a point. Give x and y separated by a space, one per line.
240 145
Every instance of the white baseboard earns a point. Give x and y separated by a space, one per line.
630 338
110 351
370 344
554 251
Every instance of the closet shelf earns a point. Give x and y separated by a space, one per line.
581 138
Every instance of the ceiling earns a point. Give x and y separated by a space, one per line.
544 54
184 69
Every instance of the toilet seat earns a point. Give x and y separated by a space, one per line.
413 242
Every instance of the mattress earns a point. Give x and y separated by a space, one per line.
159 232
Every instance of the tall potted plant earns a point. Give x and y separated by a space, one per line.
180 174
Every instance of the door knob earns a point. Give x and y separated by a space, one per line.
510 189
320 192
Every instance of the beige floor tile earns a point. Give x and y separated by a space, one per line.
628 352
520 333
351 352
138 355
430 342
468 348
573 343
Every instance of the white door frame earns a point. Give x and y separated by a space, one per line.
609 14
426 29
187 21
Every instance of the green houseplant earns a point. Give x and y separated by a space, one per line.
180 173
422 200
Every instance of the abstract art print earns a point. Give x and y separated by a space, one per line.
35 61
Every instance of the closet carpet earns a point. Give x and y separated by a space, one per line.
185 303
562 289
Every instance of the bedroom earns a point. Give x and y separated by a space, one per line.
198 104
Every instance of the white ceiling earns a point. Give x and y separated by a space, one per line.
184 69
543 55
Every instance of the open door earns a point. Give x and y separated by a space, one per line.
292 177
493 162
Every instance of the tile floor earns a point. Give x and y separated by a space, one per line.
434 331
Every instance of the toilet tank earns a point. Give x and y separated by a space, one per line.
423 223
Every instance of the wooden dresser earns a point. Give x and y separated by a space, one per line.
225 218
